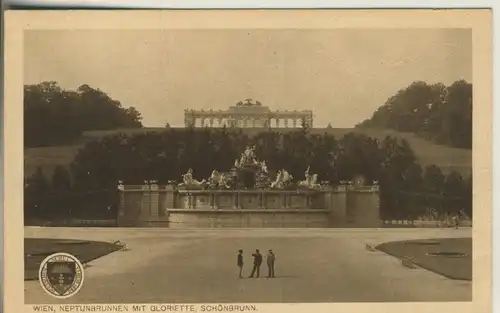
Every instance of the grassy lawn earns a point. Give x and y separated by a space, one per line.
427 153
449 266
36 250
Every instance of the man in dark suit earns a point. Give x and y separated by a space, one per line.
257 261
240 261
271 258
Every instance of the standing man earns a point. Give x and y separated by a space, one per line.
240 261
257 261
270 263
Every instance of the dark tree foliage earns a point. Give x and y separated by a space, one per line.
435 112
55 116
61 180
36 189
407 190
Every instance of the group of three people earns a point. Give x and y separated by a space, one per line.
257 262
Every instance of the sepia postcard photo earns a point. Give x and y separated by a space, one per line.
248 161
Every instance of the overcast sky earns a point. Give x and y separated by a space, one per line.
343 75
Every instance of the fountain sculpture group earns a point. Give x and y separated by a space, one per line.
256 174
247 196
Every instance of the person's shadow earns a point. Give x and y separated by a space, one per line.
281 277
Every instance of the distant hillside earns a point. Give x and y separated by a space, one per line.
447 158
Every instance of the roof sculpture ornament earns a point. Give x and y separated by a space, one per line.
248 103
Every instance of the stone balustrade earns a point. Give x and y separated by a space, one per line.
246 199
340 206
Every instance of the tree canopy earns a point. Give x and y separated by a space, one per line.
436 112
55 116
406 188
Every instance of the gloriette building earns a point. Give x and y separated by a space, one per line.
248 114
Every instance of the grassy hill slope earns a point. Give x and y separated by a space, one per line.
427 152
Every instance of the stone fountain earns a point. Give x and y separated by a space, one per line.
246 196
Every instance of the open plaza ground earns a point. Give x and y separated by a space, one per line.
312 265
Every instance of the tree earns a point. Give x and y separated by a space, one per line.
61 181
457 115
36 189
453 191
406 189
468 197
412 191
435 112
54 116
433 180
433 188
38 183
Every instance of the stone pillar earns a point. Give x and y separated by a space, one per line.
285 201
146 202
190 201
286 122
294 122
336 202
308 201
121 206
193 200
213 199
310 121
363 207
211 122
235 200
170 201
154 202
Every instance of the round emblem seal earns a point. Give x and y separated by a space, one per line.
61 275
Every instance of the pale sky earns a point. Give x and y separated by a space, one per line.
343 75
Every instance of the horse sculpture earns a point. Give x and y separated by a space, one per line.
219 180
310 181
283 179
